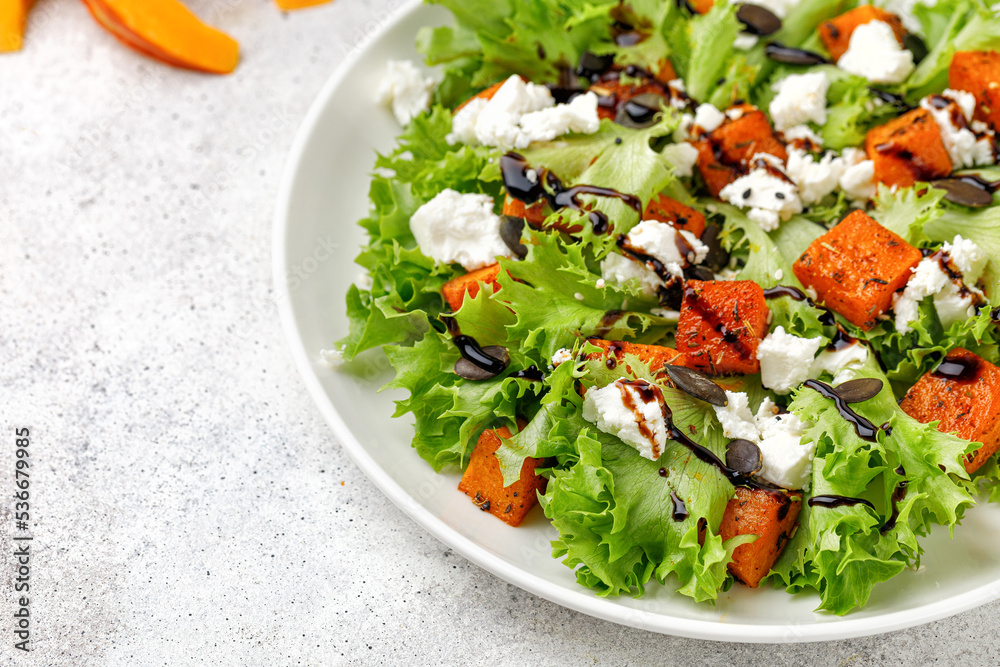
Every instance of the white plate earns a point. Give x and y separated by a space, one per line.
323 193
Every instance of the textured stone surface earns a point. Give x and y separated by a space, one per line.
191 507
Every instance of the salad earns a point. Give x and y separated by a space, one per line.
714 285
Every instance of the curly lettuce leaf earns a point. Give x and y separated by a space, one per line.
843 552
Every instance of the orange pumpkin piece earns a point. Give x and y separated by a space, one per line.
657 356
856 267
665 71
978 72
908 149
671 211
168 31
769 514
721 324
288 5
836 33
963 393
701 6
715 174
483 481
454 290
724 154
534 214
13 21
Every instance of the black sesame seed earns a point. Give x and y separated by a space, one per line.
618 140
779 195
746 195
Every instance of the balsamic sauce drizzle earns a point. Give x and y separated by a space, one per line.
529 185
530 373
680 509
470 349
796 294
838 501
898 494
863 427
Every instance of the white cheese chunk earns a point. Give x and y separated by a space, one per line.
786 460
682 156
561 355
954 300
333 358
520 113
800 98
405 89
785 360
463 228
619 269
858 178
803 133
659 240
875 54
609 409
708 118
814 179
736 418
745 41
770 199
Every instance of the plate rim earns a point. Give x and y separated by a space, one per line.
581 600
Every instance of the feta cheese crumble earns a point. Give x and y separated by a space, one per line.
837 361
785 360
800 98
405 89
520 113
875 54
954 300
619 269
786 460
682 156
771 199
858 179
561 355
964 148
660 241
804 134
708 118
463 228
333 358
815 180
642 426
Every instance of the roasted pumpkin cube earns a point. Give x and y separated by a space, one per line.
715 174
454 290
534 214
771 515
721 324
856 267
671 211
701 6
963 393
908 149
665 72
483 481
836 33
655 355
978 72
723 156
739 139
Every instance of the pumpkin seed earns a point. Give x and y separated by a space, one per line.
640 111
860 390
510 231
470 371
697 384
758 20
916 46
744 457
717 257
963 192
786 54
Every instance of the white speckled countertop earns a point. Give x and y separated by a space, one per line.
190 505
